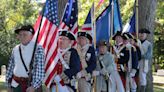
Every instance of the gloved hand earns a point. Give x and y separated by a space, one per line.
79 75
95 73
133 72
103 71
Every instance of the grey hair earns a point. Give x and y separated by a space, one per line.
29 33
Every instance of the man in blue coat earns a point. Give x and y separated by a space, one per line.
121 54
87 59
132 64
68 64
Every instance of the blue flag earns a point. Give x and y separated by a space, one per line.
130 26
117 25
103 25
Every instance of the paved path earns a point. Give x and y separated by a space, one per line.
159 80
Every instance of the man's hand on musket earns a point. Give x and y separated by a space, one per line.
103 71
30 89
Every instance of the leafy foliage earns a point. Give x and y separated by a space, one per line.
159 34
13 14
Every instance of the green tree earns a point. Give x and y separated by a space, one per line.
158 35
13 14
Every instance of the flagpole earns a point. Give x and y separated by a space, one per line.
111 25
111 19
33 53
136 18
94 28
94 25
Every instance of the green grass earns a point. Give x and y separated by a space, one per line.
2 87
157 88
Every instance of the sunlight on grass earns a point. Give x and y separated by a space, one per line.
157 88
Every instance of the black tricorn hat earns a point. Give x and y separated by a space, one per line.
85 34
144 30
25 28
125 36
130 36
103 43
119 33
67 34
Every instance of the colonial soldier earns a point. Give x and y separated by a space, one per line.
68 64
146 55
121 53
108 79
17 76
88 61
137 44
132 64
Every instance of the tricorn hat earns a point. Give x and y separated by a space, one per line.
144 30
67 34
103 43
130 36
85 34
126 36
119 33
25 28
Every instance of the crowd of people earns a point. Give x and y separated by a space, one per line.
121 67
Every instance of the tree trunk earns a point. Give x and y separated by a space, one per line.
147 20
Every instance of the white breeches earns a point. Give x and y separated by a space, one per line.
115 83
131 85
142 77
84 86
60 88
142 74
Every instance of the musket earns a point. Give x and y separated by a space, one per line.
94 85
33 54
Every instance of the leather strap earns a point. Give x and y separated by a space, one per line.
20 52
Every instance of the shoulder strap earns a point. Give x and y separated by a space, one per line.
101 63
20 52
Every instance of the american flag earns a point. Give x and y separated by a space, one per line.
48 37
70 17
49 33
88 24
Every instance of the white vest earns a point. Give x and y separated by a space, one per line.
19 69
